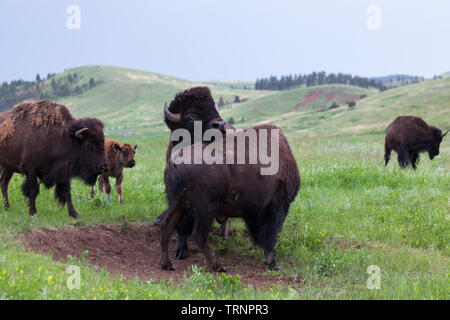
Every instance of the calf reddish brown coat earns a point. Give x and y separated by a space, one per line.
41 139
409 136
117 157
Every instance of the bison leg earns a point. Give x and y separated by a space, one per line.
5 178
100 185
62 193
403 158
107 187
181 252
223 226
387 155
168 226
264 229
92 191
160 218
119 180
30 189
414 158
203 223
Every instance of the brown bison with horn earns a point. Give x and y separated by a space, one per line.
198 193
409 136
194 104
41 139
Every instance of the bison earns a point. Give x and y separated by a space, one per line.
409 136
117 157
194 104
41 140
198 193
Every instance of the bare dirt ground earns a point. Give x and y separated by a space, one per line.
134 252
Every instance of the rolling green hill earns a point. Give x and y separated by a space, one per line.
429 100
134 99
285 106
126 99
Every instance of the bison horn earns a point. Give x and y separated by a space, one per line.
171 116
79 133
445 134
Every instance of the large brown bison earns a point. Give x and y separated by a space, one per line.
198 193
118 156
41 139
409 136
194 104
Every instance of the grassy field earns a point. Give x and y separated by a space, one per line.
351 212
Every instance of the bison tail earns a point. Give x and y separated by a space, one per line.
177 187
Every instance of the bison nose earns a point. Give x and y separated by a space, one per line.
220 125
103 168
131 163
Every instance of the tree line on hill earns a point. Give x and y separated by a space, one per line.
49 88
315 79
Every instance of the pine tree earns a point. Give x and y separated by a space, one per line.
221 103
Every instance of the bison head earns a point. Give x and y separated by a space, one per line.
195 104
126 154
433 151
88 142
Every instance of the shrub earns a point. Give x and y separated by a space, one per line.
334 105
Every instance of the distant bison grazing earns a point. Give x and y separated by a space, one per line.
409 136
118 156
41 139
198 193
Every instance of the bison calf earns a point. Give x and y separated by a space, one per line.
409 136
117 157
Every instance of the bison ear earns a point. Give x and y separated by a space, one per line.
135 147
80 134
117 147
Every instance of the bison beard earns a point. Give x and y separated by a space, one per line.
41 140
409 136
199 193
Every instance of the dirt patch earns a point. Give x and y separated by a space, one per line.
135 252
146 78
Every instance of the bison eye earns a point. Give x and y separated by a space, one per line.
88 146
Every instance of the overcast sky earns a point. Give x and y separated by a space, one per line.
227 40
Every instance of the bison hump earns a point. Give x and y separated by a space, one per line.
37 114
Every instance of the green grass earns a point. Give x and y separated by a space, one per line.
351 212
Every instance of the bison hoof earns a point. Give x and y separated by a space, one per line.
73 214
180 254
224 236
275 266
219 268
168 267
